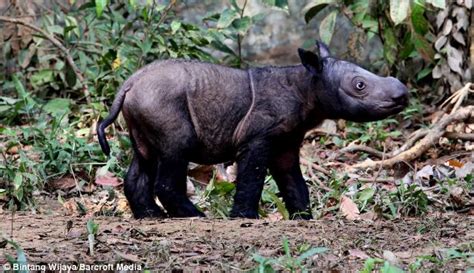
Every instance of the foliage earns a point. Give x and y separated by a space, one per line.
92 230
20 260
452 65
390 203
384 266
422 262
217 197
233 24
402 27
288 262
376 132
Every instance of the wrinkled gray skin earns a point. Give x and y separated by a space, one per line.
186 111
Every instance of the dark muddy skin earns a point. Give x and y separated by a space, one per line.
186 111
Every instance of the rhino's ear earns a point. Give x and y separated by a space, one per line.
323 49
311 61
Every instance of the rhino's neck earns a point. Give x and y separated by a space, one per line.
308 88
288 96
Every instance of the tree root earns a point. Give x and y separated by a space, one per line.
362 148
427 138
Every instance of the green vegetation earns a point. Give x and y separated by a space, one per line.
402 26
289 261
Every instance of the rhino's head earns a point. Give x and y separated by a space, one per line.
346 90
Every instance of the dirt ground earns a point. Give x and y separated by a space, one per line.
206 244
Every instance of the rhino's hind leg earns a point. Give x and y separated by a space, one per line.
138 188
170 186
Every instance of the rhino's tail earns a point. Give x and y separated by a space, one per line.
113 114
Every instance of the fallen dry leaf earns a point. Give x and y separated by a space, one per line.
349 209
70 206
390 256
403 254
274 217
455 163
63 183
358 254
108 179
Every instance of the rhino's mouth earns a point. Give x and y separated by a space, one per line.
393 108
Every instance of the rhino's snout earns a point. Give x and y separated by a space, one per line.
398 92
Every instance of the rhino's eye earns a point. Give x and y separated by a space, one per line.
360 85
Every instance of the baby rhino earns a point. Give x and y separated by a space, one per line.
180 111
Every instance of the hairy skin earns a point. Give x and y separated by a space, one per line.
186 111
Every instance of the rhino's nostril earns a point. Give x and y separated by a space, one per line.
400 95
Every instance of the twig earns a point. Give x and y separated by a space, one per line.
462 136
380 167
60 46
425 143
361 148
240 37
317 132
376 180
314 166
412 139
165 12
457 97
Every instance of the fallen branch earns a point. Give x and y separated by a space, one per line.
60 46
431 137
361 148
412 139
462 136
458 97
314 166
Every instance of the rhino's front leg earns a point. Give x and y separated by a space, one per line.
285 169
252 162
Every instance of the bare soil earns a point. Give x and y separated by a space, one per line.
207 244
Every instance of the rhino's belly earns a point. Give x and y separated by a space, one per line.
208 155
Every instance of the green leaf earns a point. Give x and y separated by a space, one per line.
92 227
423 47
55 29
420 24
71 77
41 77
423 73
366 194
437 3
311 252
326 28
58 106
100 6
388 268
20 89
390 45
133 4
314 7
17 181
227 17
175 25
235 5
399 10
286 246
242 25
280 206
281 4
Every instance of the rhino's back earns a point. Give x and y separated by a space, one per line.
174 94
